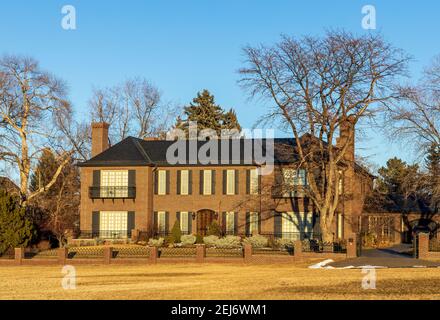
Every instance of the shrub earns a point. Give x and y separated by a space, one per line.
214 229
156 242
228 242
176 233
256 241
210 240
188 240
282 243
199 239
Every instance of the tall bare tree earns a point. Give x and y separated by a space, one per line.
314 85
134 107
29 99
417 117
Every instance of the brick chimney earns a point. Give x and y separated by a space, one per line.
99 137
345 126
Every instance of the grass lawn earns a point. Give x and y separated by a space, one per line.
216 281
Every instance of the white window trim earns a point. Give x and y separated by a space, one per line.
254 181
184 221
184 182
230 182
230 222
162 182
207 182
161 221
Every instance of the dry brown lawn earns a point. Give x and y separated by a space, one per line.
216 281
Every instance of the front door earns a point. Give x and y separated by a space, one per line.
204 219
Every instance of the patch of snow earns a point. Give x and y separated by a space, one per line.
321 264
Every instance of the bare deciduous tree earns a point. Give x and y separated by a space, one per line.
134 107
316 84
29 99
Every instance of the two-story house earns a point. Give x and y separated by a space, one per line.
131 186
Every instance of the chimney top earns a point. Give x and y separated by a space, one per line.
99 137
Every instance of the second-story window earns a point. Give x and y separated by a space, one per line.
230 182
184 182
114 183
294 177
162 182
253 181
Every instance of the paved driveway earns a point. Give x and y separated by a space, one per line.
398 256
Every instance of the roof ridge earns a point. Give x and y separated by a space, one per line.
141 149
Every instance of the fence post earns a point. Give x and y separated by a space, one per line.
19 255
62 255
200 253
247 252
154 253
108 255
423 245
297 250
351 246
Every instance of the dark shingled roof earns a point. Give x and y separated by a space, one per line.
137 152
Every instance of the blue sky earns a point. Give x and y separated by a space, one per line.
183 46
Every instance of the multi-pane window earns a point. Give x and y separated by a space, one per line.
162 182
296 225
114 183
113 224
184 222
253 222
230 182
230 222
207 182
184 182
294 177
161 222
253 181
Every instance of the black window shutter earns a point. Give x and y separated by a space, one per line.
213 182
178 219
156 182
96 178
248 181
190 222
190 182
131 178
168 182
259 181
95 223
178 181
130 221
201 179
259 222
248 223
224 222
167 221
155 222
278 225
237 179
235 223
224 181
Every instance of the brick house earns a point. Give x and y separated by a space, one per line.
131 186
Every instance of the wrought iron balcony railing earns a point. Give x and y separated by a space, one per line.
289 191
112 192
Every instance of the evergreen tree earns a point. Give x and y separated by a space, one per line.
15 229
207 114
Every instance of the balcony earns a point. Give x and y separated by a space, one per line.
112 192
289 191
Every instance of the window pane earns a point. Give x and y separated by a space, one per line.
184 182
253 181
230 221
230 184
295 225
207 182
114 183
162 177
161 221
253 223
184 227
113 224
